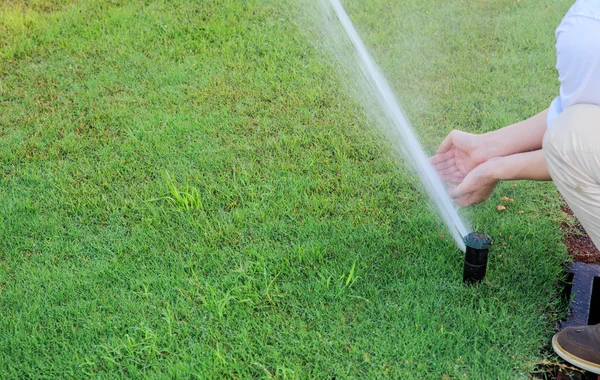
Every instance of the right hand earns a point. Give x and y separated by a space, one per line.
477 185
458 154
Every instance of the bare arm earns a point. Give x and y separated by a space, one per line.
525 136
461 152
530 165
478 185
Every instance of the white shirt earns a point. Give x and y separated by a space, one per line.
578 57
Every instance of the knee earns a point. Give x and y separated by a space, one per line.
551 149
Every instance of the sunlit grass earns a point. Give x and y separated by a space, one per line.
187 190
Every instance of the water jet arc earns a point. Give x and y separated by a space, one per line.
392 109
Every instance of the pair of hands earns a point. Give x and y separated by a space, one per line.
461 161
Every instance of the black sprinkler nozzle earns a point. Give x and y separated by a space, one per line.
476 257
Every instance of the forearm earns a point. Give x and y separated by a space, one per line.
530 165
525 136
478 185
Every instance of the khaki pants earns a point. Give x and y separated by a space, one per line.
572 150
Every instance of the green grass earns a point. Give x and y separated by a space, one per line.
187 190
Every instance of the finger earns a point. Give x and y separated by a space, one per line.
456 180
447 144
448 171
452 178
458 192
470 200
445 165
466 201
462 195
441 157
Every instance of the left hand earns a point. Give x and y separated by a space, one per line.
457 155
477 186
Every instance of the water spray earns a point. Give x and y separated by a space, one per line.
475 244
394 113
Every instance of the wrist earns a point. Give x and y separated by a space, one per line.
489 147
496 169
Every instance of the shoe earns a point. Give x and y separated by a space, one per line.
579 346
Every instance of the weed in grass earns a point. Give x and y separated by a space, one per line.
185 197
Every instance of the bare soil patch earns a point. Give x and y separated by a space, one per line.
578 242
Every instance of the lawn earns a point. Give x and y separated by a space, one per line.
188 190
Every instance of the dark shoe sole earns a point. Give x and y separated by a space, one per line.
583 364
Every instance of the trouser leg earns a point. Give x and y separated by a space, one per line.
572 151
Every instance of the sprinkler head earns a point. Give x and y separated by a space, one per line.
476 256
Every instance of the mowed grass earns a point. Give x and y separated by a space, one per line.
187 191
